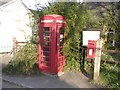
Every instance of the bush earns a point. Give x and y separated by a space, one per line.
24 62
109 75
77 18
106 56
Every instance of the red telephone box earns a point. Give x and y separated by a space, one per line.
91 49
51 43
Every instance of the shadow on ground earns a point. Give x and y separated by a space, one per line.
86 74
67 80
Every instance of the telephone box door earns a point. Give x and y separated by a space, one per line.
60 45
45 48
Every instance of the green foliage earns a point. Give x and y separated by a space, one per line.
115 56
81 16
107 14
106 56
77 18
24 62
89 67
109 75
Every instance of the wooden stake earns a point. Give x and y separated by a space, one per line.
104 33
14 46
97 59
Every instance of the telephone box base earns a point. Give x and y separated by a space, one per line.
53 75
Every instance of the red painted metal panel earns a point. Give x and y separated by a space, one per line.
50 58
91 49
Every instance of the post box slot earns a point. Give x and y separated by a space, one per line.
91 43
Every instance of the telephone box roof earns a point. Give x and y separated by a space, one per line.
53 15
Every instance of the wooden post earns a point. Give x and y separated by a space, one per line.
104 33
97 59
14 46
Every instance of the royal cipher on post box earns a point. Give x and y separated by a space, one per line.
91 49
51 58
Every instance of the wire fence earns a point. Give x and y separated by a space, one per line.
115 55
109 56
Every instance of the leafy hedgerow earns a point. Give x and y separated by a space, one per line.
109 75
77 18
106 56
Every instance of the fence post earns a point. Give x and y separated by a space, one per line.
14 46
104 33
97 59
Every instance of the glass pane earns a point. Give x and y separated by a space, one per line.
45 59
46 38
46 29
45 53
61 39
46 49
45 33
61 44
61 50
61 35
62 29
46 44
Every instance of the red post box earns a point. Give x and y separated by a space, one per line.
91 49
51 42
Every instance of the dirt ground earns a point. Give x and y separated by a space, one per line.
5 58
